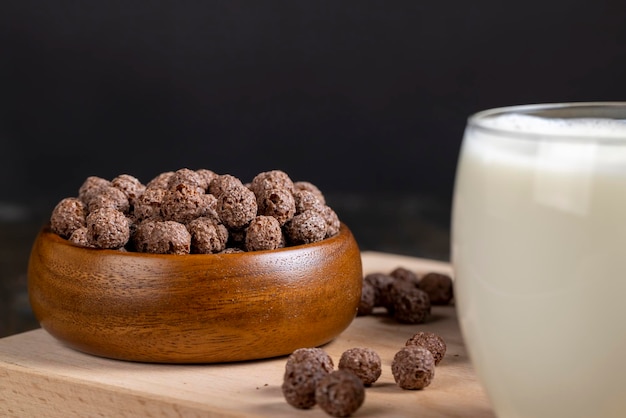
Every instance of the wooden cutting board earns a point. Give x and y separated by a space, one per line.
41 377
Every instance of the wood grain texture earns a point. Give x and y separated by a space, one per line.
194 308
39 376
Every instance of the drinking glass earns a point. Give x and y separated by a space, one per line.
539 253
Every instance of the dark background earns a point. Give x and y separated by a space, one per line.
363 96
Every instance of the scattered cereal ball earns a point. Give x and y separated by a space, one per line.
402 273
162 237
299 384
268 180
237 207
109 197
206 177
432 342
304 368
368 299
107 228
364 362
314 354
223 183
413 367
438 286
306 227
130 185
91 187
264 233
340 393
306 185
410 304
307 200
381 283
67 216
186 202
161 181
79 237
278 203
207 235
148 205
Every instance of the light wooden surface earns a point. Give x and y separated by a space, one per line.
41 377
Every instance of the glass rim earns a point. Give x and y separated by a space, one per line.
611 110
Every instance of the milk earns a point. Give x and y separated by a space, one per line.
539 251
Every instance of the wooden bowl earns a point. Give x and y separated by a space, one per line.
194 308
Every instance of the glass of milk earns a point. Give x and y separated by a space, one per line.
539 252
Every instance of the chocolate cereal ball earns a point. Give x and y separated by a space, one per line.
402 273
67 216
307 200
264 233
107 228
304 368
368 299
222 183
332 221
188 178
364 362
381 282
278 203
236 207
410 304
314 354
207 235
340 393
206 177
79 237
162 237
186 202
306 185
413 367
306 227
161 181
109 197
438 286
431 341
91 187
268 180
130 185
148 205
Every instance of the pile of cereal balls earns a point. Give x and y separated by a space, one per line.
195 212
310 377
